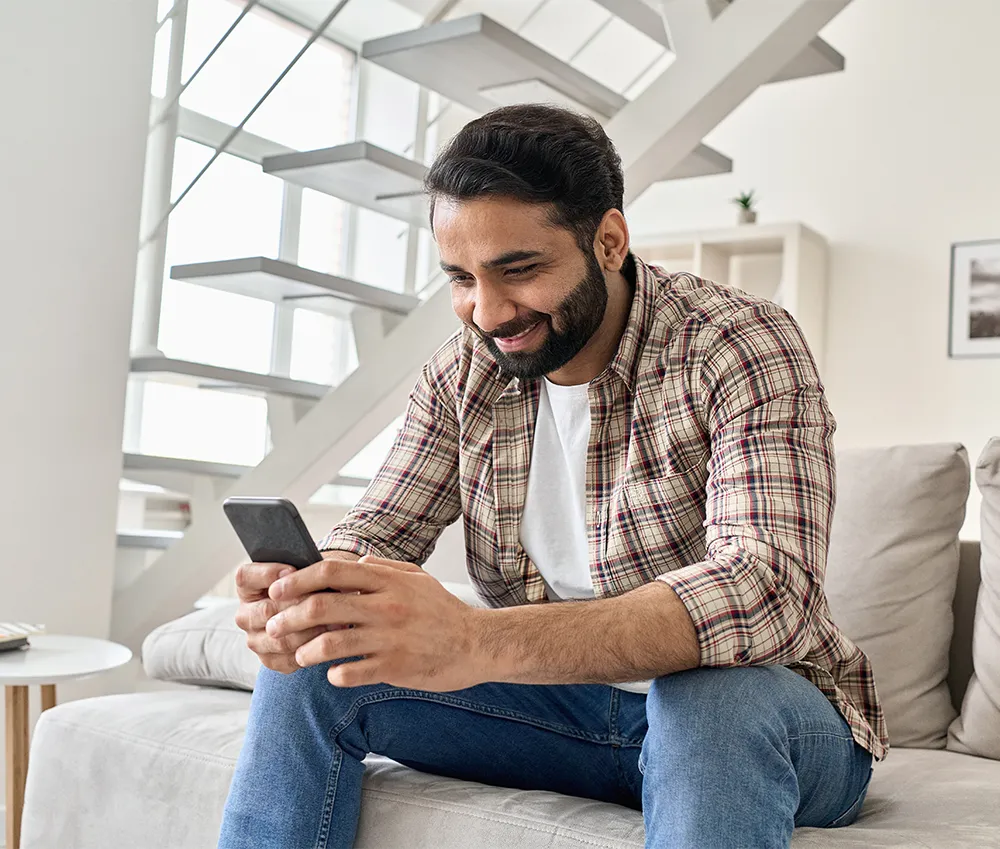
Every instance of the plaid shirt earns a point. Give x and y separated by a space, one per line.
710 468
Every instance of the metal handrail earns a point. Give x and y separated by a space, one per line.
313 37
165 110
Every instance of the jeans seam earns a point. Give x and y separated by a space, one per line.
803 734
613 703
422 695
333 778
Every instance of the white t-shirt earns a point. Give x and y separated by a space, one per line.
554 520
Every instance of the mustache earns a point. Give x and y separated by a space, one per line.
509 330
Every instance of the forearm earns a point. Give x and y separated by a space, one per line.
642 634
336 554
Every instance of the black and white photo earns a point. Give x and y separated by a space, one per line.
975 299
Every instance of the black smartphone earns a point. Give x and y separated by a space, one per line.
271 530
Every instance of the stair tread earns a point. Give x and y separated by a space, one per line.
360 173
203 375
284 282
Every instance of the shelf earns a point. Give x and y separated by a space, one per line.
785 263
148 540
283 282
359 173
203 376
204 468
465 57
745 240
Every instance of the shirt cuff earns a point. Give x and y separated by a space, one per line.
340 541
715 605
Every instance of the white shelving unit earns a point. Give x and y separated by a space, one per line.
785 263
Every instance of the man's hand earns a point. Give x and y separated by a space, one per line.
252 583
408 629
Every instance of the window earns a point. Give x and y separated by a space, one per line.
309 109
236 210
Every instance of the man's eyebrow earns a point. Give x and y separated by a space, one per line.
497 262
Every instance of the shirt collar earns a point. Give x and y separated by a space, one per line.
625 362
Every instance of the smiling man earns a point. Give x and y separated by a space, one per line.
644 470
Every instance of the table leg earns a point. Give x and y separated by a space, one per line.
16 705
48 696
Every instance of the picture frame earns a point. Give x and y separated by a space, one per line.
974 312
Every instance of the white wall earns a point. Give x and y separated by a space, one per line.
891 160
74 94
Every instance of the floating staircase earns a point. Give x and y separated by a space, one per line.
723 52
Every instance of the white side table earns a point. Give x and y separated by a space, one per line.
50 659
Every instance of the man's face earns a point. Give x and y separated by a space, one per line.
512 270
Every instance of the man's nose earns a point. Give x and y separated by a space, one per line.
492 309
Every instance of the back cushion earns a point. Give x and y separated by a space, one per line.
891 574
977 730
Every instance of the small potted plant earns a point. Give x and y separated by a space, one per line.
745 201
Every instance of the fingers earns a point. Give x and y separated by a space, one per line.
337 645
253 579
284 663
340 575
356 673
262 643
319 609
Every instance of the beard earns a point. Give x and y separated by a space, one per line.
580 314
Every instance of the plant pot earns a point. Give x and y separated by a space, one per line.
747 216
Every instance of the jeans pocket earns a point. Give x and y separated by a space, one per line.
851 814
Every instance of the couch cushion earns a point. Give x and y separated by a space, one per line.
207 648
977 730
891 576
153 770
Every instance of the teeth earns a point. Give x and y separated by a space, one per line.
520 335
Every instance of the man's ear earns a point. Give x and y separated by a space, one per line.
612 241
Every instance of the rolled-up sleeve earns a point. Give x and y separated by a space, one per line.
415 494
770 492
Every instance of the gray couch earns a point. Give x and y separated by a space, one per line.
152 770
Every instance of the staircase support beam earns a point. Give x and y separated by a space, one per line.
743 48
325 439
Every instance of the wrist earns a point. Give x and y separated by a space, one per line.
484 654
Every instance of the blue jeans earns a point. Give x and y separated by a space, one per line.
712 757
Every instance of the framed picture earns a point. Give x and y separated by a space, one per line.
975 299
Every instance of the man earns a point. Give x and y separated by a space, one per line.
653 453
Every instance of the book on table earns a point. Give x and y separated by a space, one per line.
14 635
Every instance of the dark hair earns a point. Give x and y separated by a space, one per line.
537 154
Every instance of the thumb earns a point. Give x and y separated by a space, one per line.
395 564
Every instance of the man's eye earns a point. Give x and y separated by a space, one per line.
459 281
524 269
